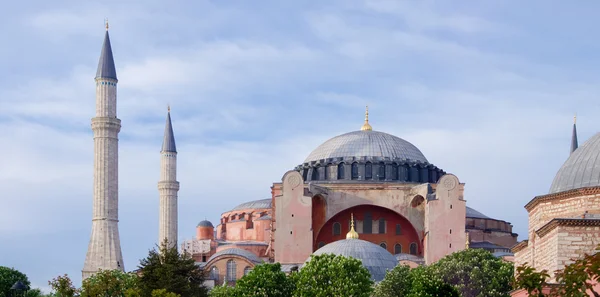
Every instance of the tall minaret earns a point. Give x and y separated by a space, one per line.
168 187
104 250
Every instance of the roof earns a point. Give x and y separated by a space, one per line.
205 223
263 203
485 245
373 257
169 138
236 252
409 257
106 64
581 169
366 143
502 254
472 213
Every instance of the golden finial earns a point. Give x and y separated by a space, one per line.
106 23
468 242
352 234
366 126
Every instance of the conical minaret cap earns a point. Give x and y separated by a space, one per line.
106 64
574 144
169 138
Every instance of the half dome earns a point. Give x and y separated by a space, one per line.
366 143
582 168
373 257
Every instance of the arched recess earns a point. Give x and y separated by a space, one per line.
417 201
319 213
392 218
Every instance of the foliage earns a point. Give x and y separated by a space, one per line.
223 291
168 269
264 280
8 277
62 286
419 282
163 293
330 275
475 273
109 283
578 277
530 280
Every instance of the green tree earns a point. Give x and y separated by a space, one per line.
529 279
475 273
336 276
163 293
397 283
8 277
62 286
265 280
167 269
223 291
109 283
578 277
419 282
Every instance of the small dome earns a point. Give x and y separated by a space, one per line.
375 258
256 204
367 143
236 252
205 223
582 168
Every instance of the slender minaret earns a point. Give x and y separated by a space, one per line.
168 187
574 144
104 250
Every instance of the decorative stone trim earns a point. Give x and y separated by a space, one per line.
565 222
561 195
520 246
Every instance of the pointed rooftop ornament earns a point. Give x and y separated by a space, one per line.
352 234
106 64
169 138
366 126
468 241
574 144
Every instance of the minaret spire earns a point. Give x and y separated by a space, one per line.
574 144
104 249
168 186
366 126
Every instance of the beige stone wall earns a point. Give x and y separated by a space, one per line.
546 252
523 256
574 242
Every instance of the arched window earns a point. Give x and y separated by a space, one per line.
398 229
341 172
320 245
354 170
315 173
368 170
247 270
394 172
337 228
413 248
382 226
367 223
231 271
383 245
381 171
214 273
397 249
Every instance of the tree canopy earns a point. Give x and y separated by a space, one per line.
110 283
330 275
167 269
403 281
8 277
265 280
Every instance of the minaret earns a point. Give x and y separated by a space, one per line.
168 187
574 137
104 250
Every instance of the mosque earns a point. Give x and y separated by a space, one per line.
365 194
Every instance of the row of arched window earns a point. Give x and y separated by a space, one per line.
412 249
397 172
231 272
367 226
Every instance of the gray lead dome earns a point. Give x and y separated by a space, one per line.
373 257
367 143
582 168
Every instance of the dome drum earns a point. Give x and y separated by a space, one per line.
370 168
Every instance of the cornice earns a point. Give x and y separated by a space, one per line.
561 195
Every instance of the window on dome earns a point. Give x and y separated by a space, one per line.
340 174
231 271
315 173
382 226
394 172
247 270
214 273
337 228
397 249
413 248
368 171
354 170
398 229
368 223
381 171
383 245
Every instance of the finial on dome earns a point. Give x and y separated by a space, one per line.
366 126
468 242
352 234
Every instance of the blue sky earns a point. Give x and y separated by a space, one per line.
487 90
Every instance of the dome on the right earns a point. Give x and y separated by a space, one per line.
582 168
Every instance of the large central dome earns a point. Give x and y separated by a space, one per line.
582 168
367 143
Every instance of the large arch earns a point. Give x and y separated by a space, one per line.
407 235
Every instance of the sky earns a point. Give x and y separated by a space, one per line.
487 90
